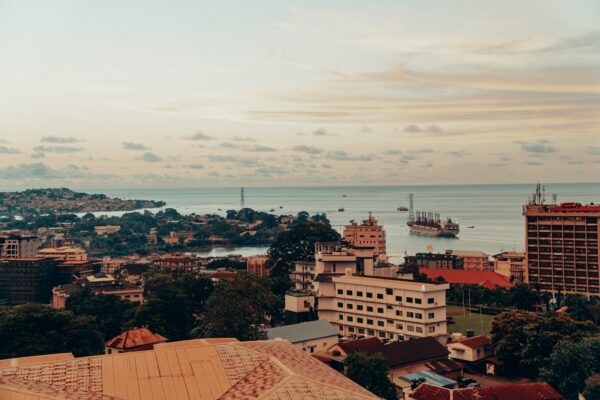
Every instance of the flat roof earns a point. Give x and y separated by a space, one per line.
303 331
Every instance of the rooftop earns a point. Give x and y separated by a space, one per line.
514 391
303 331
474 342
204 369
133 338
487 279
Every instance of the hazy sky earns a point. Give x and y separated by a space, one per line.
267 93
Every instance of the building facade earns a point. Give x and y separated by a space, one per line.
17 244
473 260
367 234
387 308
510 264
65 253
28 280
98 284
434 260
257 265
562 247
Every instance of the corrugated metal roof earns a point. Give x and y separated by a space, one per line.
431 378
303 331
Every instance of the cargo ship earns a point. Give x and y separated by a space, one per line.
430 224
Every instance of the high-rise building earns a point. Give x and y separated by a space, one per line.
28 280
562 246
367 234
17 244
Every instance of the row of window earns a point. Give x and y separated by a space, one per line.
389 292
383 334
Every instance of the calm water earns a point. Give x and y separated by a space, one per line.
493 210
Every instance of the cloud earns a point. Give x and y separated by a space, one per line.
365 130
433 129
595 151
59 139
412 129
307 149
458 154
243 139
199 136
149 157
228 145
39 171
242 161
271 170
416 129
259 149
196 166
497 165
9 150
322 132
134 146
328 166
538 147
37 155
344 156
57 149
392 152
576 162
534 163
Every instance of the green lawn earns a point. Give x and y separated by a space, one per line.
479 324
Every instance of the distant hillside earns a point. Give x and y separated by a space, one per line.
63 200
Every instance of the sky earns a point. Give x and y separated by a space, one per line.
286 93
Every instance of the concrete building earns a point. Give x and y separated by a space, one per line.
137 339
434 260
367 234
360 305
562 246
510 264
106 229
257 265
299 307
66 253
18 244
472 260
176 264
310 337
303 275
98 284
207 369
28 280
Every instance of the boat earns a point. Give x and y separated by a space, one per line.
430 224
471 227
402 209
272 210
341 209
344 195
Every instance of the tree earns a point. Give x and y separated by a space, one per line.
370 371
167 310
570 364
34 329
110 313
592 387
239 308
523 298
298 243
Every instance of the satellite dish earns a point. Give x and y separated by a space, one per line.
430 249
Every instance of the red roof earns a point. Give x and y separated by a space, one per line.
133 338
515 391
487 279
475 342
367 345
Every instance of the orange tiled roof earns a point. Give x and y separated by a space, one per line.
133 338
195 369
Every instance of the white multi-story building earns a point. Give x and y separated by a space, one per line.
388 308
367 234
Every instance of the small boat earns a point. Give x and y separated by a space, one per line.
471 227
272 210
280 206
402 209
344 195
341 209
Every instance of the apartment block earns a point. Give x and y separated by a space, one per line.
28 280
257 265
383 307
510 264
562 246
17 244
367 234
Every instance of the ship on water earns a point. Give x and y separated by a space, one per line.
430 224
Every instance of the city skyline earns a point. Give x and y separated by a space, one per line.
298 93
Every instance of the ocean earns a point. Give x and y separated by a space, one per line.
494 211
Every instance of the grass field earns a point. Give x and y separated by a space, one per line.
479 324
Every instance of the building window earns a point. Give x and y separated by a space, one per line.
340 317
410 328
389 291
380 310
359 293
418 301
369 295
349 292
419 316
382 334
410 314
431 315
430 300
361 330
359 307
380 323
380 296
359 320
341 327
409 299
399 327
340 305
419 329
369 322
349 306
340 291
399 299
398 313
431 329
369 309
389 307
350 329
371 332
349 318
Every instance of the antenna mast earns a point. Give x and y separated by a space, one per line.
411 212
242 200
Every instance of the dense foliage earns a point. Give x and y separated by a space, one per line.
370 371
34 329
519 296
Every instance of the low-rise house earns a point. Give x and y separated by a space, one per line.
99 284
487 279
309 336
258 265
65 253
106 229
473 260
137 339
513 391
470 350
